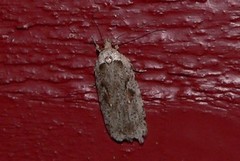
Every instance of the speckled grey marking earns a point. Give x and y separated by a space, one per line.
119 95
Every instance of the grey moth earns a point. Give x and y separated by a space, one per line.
119 95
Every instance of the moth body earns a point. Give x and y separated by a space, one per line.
119 95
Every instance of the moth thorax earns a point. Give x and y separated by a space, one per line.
108 59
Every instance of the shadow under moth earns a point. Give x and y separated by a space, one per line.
119 95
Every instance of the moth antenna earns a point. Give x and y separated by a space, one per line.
138 37
117 39
99 31
96 45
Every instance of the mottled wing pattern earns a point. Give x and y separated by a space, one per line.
120 100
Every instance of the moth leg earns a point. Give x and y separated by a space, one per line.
116 47
92 85
139 70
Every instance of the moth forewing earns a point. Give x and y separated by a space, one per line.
119 96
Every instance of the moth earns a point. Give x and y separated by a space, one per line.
119 95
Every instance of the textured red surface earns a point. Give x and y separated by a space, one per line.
49 108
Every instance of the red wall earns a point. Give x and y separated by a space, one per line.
191 88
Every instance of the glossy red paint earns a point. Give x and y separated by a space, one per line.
49 106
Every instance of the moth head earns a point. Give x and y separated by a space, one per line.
107 44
